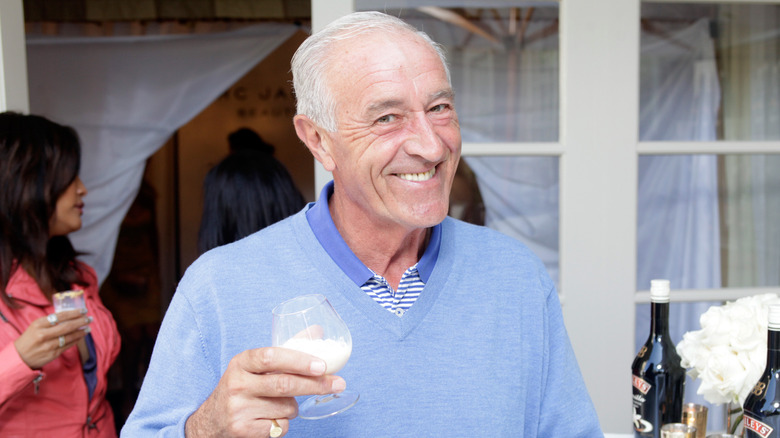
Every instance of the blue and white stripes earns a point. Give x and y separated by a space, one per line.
400 301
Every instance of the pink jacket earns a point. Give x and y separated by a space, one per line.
61 406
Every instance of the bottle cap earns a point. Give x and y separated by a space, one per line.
774 317
659 291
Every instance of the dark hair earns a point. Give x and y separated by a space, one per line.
39 159
245 192
247 139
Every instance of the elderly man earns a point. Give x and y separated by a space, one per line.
457 329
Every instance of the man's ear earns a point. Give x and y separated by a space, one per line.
315 139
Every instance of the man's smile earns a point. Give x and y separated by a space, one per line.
425 176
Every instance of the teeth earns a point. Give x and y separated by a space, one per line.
418 176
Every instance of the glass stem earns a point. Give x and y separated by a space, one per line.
732 422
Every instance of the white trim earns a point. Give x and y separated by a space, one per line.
599 132
713 1
709 147
13 58
494 149
322 13
642 148
325 11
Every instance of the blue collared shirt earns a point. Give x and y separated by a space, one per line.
373 284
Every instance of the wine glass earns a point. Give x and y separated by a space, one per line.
309 323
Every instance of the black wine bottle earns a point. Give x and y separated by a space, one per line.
657 376
762 405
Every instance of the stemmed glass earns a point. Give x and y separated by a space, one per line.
309 323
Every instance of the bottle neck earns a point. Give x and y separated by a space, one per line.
659 319
773 349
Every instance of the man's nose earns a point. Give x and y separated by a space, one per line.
423 140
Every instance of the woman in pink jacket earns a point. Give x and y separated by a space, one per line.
53 365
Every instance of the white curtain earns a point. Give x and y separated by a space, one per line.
126 96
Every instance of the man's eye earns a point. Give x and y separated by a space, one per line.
386 118
439 108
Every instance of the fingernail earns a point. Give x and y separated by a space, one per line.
338 385
89 319
317 367
83 311
87 329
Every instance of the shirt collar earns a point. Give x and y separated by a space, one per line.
327 234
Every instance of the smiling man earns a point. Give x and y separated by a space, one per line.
457 329
394 149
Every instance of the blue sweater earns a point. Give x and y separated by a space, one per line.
483 351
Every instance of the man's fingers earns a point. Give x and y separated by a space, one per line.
292 385
280 360
281 385
279 372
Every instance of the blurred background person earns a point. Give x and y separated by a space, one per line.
245 192
246 139
54 366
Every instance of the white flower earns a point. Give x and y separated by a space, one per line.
728 354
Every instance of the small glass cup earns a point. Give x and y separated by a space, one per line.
722 435
309 323
678 430
695 415
69 300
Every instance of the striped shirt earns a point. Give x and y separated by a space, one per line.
374 285
399 301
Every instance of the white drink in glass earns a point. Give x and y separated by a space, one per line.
334 352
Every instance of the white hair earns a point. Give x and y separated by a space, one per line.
311 60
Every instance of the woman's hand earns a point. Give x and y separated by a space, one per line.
42 341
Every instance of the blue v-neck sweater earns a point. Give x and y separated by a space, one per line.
483 351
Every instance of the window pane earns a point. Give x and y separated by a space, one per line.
515 195
504 67
709 221
750 229
710 72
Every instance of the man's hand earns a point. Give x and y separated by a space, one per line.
259 386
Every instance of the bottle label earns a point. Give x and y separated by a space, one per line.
643 419
763 430
641 384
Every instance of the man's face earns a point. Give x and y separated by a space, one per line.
398 140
